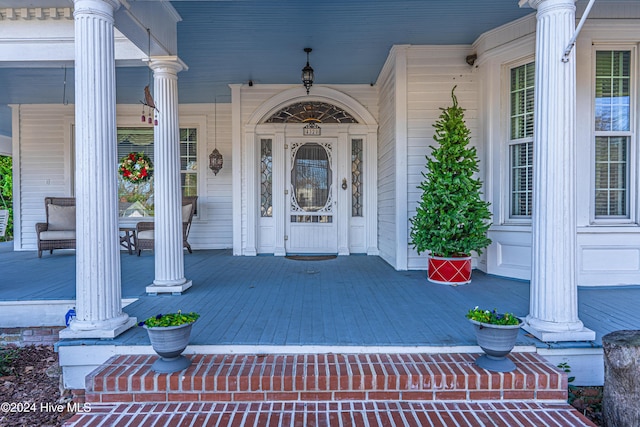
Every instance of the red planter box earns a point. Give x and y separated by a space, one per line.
449 271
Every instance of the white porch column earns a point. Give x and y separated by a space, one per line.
553 311
168 251
98 290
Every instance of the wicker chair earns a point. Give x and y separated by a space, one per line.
144 230
59 232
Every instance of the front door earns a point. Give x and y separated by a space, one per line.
311 198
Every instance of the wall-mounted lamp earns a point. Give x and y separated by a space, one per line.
307 72
471 59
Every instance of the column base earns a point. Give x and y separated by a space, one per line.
69 333
537 328
154 289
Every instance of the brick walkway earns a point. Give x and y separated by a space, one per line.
328 390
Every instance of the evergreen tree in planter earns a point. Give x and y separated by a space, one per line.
451 219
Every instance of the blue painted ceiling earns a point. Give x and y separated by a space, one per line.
236 41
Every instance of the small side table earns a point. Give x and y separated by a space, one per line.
127 241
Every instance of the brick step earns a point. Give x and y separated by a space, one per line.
326 378
328 390
329 414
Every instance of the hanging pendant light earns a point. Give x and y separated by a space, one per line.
215 161
307 72
215 158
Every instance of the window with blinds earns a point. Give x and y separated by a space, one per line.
137 199
521 140
189 161
612 123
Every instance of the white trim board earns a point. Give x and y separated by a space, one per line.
23 314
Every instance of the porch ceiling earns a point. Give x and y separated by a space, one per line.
226 42
231 41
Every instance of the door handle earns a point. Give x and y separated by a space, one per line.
344 183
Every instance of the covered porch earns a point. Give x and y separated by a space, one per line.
269 304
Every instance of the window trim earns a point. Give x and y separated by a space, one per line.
200 124
508 218
199 166
632 161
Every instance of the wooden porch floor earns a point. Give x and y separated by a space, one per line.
274 301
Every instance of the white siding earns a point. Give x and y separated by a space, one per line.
44 167
387 164
212 229
513 44
432 72
5 145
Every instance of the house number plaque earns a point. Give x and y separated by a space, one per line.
311 129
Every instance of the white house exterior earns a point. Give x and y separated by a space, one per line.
388 137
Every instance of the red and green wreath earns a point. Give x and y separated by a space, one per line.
135 167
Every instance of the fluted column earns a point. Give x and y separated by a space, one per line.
98 291
553 311
168 250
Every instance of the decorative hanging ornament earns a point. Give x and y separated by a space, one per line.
152 114
148 99
136 168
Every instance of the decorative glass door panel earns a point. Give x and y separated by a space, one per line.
311 221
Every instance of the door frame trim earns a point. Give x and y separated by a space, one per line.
246 181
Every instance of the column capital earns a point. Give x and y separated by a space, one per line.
167 64
547 4
99 7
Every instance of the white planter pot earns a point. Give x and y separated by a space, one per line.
496 341
169 342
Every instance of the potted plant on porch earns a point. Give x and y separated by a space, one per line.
169 335
496 335
451 219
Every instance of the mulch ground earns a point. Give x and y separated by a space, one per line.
30 388
588 400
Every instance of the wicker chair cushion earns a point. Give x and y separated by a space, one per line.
145 234
62 218
186 212
58 235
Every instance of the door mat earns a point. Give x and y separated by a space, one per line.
311 257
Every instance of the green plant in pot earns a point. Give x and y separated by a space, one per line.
496 334
451 219
169 335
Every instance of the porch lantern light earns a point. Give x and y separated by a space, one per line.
215 161
307 72
215 158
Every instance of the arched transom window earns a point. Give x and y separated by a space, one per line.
304 112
